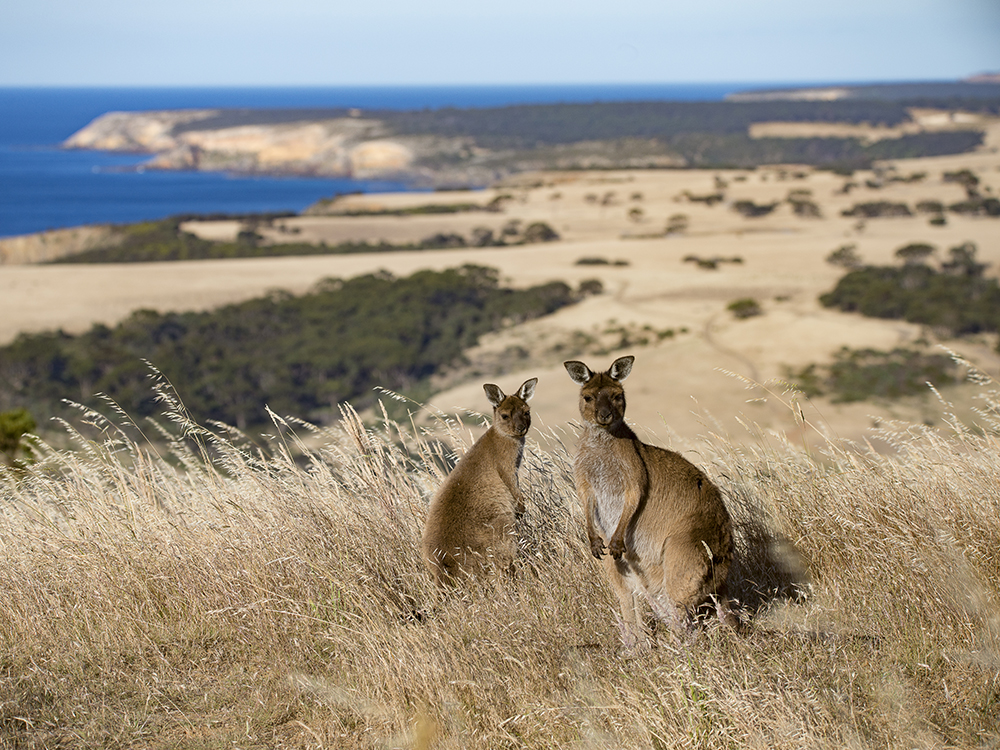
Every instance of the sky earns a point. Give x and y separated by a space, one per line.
402 42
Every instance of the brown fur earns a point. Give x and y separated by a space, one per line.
470 522
662 520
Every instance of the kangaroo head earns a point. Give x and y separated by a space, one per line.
511 414
602 397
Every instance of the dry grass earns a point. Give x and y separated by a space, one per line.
205 593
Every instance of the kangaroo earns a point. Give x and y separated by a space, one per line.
470 521
662 520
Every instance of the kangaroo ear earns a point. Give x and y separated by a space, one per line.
527 389
494 394
621 367
578 371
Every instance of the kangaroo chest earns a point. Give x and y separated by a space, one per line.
610 475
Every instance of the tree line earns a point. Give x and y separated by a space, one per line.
299 355
164 240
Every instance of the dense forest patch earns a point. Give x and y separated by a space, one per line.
300 355
530 125
956 296
701 134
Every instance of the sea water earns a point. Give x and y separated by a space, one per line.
44 187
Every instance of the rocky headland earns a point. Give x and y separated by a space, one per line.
318 145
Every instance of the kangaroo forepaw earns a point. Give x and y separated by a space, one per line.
617 548
597 548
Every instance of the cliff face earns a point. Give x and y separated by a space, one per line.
140 132
55 243
341 147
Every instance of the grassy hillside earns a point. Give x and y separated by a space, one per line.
209 596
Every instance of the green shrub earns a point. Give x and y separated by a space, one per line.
977 206
539 231
958 298
14 424
915 252
863 374
845 256
747 307
930 207
877 209
751 210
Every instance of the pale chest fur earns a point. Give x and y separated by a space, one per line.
608 473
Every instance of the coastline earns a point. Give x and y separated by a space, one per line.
44 187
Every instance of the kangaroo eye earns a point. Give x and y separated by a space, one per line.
505 416
588 399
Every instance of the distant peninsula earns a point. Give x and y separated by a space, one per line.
847 126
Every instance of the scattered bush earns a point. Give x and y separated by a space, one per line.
930 207
711 264
14 425
596 260
863 374
499 203
964 177
539 231
677 224
709 200
877 209
958 298
845 256
747 307
962 261
483 237
751 210
803 205
590 287
625 336
443 241
915 252
977 206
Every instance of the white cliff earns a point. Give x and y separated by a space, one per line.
343 146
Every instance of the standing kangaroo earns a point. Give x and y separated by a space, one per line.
470 521
663 521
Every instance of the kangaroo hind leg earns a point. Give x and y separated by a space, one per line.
634 638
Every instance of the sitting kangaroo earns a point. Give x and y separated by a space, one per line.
663 521
470 521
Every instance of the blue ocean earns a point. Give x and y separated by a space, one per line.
44 187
